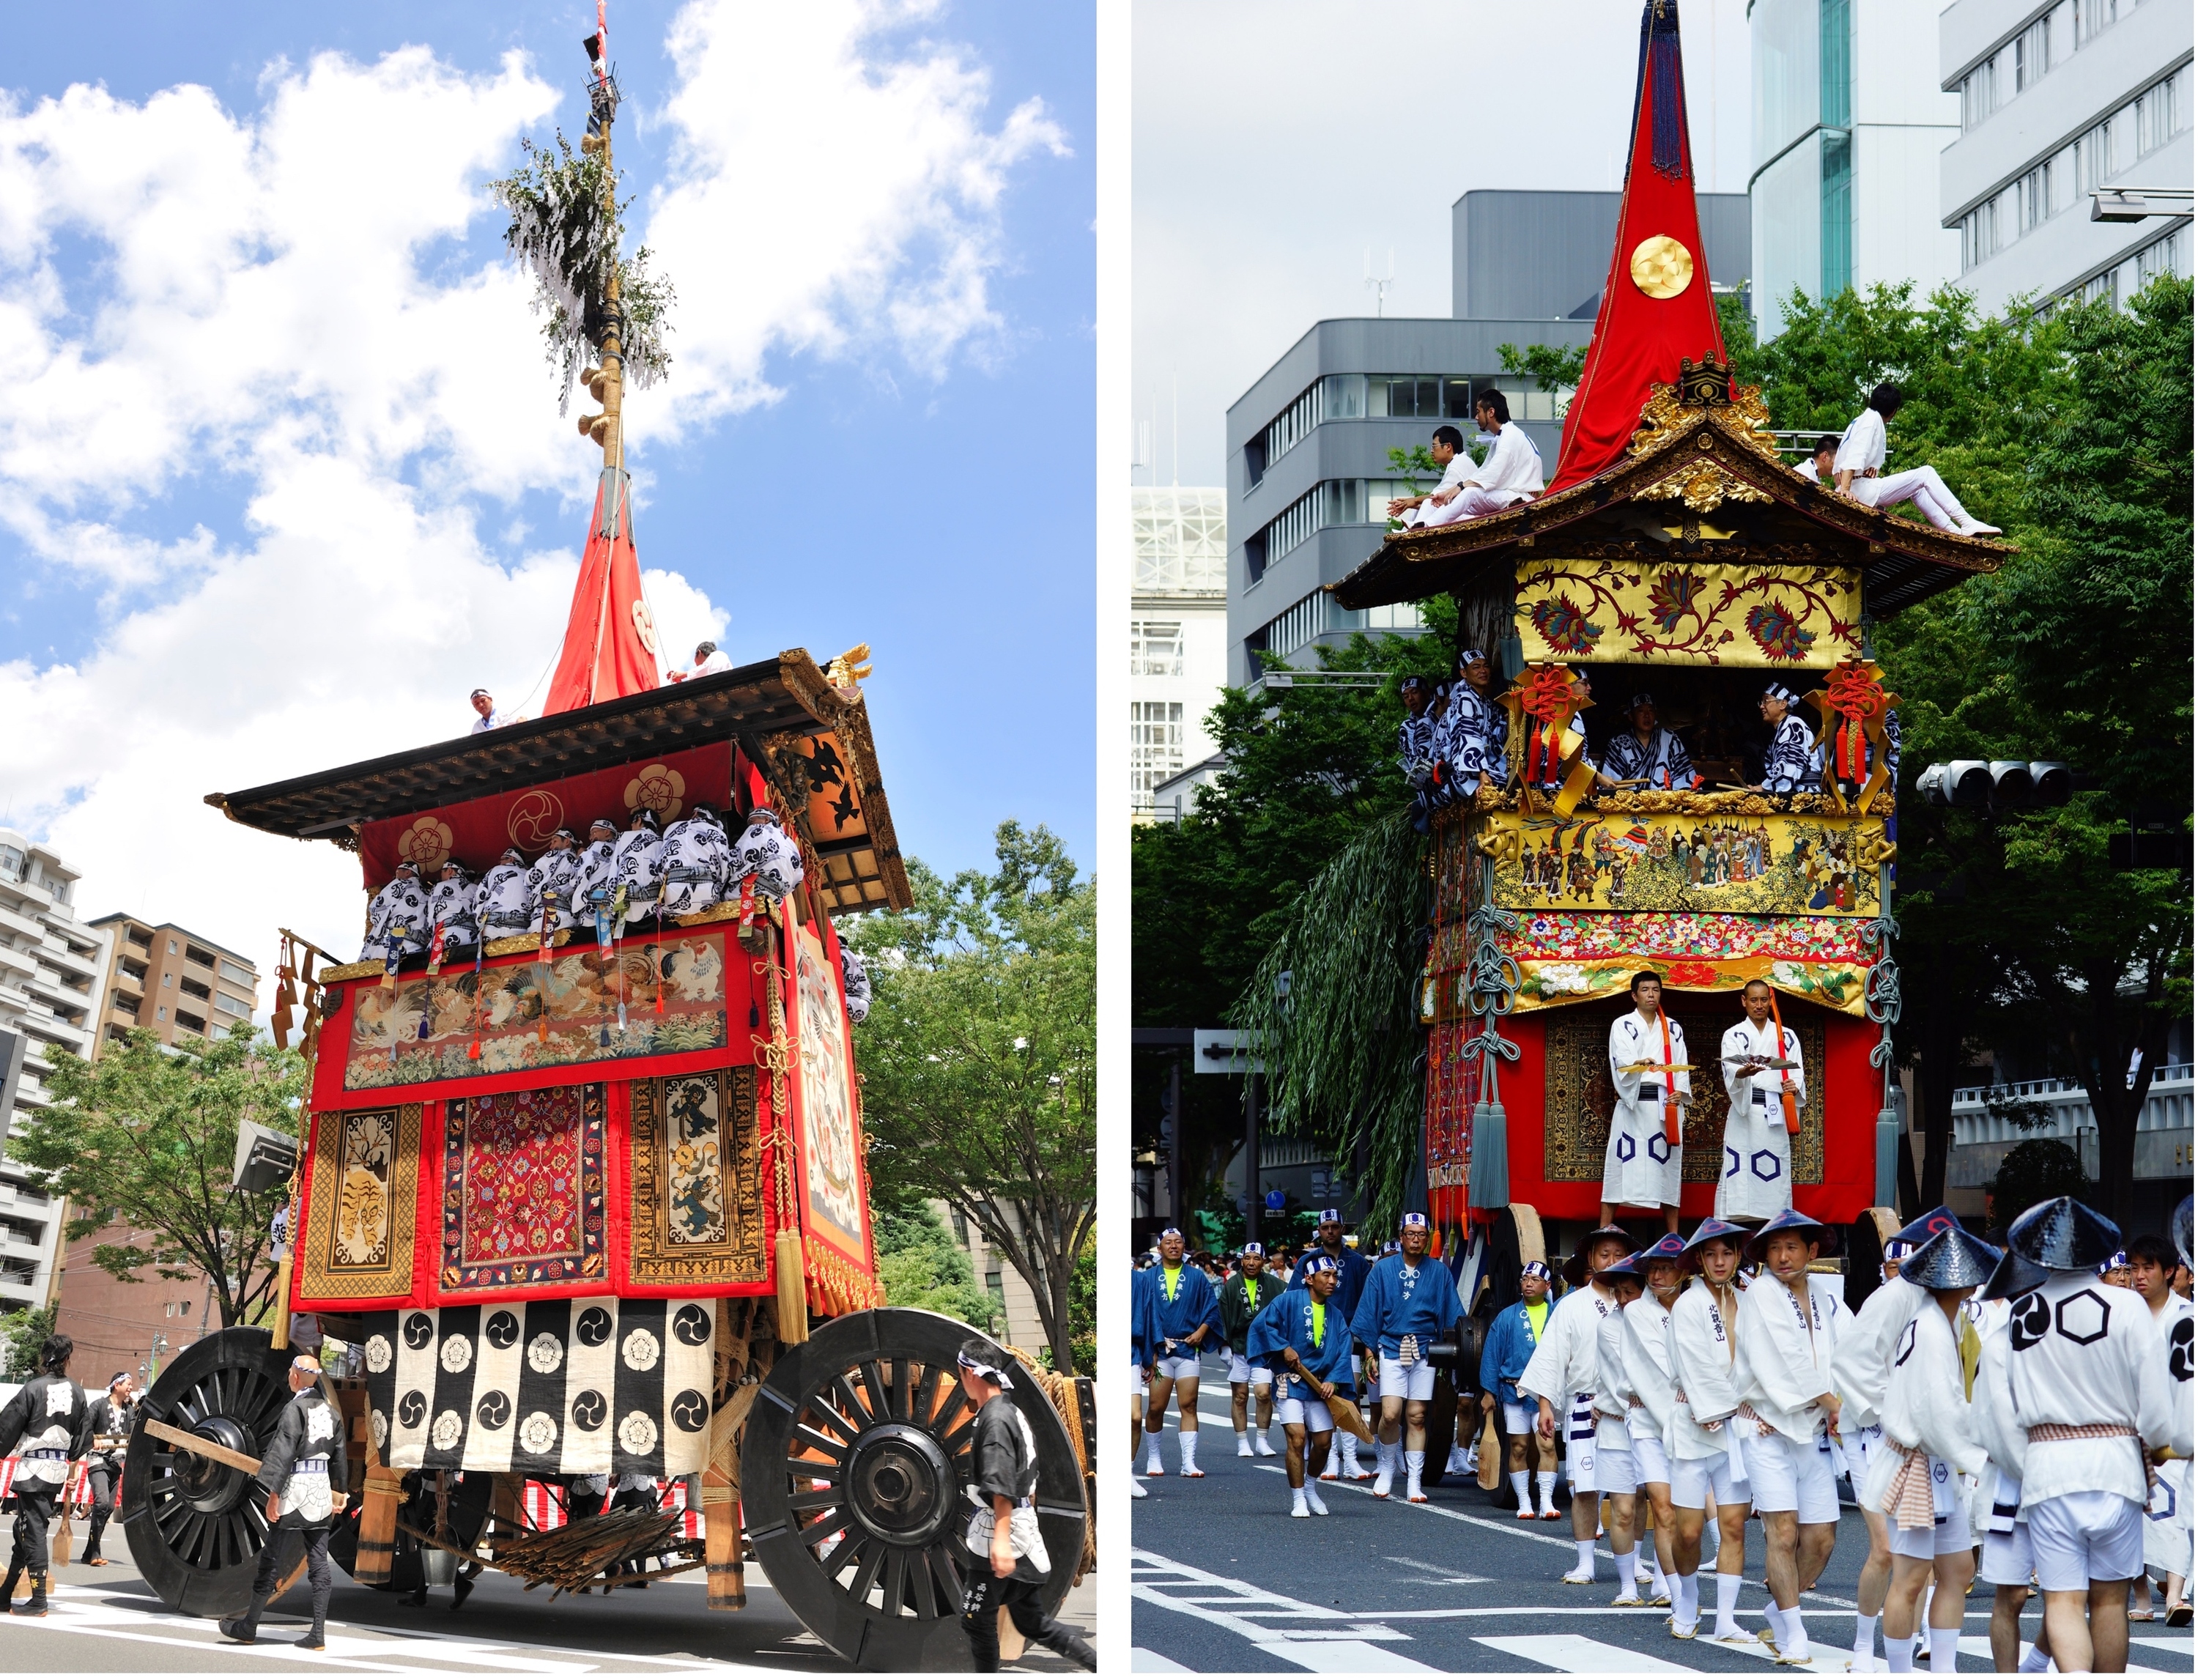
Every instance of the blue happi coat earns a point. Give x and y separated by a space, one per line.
1287 1321
1393 1306
1504 1355
1350 1270
1144 1316
1194 1304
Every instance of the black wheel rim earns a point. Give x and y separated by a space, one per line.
195 1526
854 1467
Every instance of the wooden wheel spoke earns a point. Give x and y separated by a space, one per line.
835 1450
943 1566
816 1500
954 1405
815 1534
850 1406
896 1580
873 1559
903 1398
923 1396
876 1392
922 1598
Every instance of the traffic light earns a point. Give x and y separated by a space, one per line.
2049 783
2010 784
2003 785
1965 781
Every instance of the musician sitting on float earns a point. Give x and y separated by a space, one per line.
1511 474
1647 755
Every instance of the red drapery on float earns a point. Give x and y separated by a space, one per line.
1645 325
610 640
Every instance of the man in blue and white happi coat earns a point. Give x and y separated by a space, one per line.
1302 1337
1351 1269
1410 1303
1190 1321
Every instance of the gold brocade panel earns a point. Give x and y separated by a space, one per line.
698 1214
1792 618
1577 1096
359 1216
1727 862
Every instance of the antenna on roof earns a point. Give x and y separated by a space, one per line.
1382 284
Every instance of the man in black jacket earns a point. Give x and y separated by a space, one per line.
1006 1561
51 1419
112 1415
1241 1297
306 1469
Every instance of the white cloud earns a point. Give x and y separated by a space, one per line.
272 305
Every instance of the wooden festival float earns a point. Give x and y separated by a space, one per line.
1675 551
592 1207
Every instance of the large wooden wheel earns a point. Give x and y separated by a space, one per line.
853 1464
195 1527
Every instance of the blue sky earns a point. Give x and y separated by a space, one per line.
878 427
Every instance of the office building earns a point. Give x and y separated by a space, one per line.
1309 472
2057 101
1849 120
1179 631
53 977
173 983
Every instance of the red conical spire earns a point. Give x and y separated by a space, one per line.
610 641
1656 303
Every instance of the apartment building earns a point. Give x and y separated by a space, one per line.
173 982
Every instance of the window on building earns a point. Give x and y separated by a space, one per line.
198 988
167 980
190 1023
2033 54
1317 615
1980 234
139 937
194 954
234 1006
1402 396
2094 16
1978 87
117 1034
2163 111
1293 525
237 971
1284 432
2095 157
2034 197
11 863
1155 648
1156 745
1343 396
160 1013
172 947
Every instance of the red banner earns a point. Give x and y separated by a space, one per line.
610 640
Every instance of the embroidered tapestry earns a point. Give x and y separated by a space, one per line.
523 1188
530 1015
1725 863
363 1195
1800 618
698 1210
827 1109
1577 1096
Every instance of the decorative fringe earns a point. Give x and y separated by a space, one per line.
793 1294
1660 83
1489 1181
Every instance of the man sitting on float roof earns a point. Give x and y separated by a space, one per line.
1862 452
1512 473
1647 755
1817 468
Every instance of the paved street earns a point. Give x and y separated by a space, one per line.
1224 1579
107 1621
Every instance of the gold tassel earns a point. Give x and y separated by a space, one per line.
793 1290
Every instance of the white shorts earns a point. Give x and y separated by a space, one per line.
2007 1560
1856 1446
2081 1538
1785 1476
1175 1370
1241 1369
1312 1413
1946 1535
1649 1462
1416 1381
1614 1471
1695 1479
1136 1379
1519 1420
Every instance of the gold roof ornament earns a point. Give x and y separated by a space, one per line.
847 670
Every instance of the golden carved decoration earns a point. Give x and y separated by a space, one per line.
1703 486
1697 395
1661 266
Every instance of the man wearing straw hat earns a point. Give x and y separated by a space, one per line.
1303 1340
1561 1376
1788 1322
1930 1437
1410 1303
2088 1375
1707 1460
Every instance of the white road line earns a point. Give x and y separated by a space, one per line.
1343 1656
1430 1575
1142 1661
1570 1654
1513 1527
1197 1593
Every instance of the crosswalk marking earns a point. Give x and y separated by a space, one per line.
1344 1656
1242 1608
1142 1661
1572 1654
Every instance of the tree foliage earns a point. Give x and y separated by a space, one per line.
921 1265
145 1138
22 1334
979 1058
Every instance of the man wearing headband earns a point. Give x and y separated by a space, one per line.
397 918
1757 1182
1190 1317
506 903
1862 1362
1705 1454
1646 1357
305 1467
1792 764
1466 740
1560 1378
1647 755
1510 1344
1351 1269
1301 1336
1410 1303
1006 1563
1788 1324
1647 1069
50 1421
2167 1526
1242 1298
112 1416
2089 1379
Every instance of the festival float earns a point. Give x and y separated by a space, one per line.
590 1199
1674 550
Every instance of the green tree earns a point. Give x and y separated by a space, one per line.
921 1265
145 1137
979 1058
2036 1170
22 1334
1552 367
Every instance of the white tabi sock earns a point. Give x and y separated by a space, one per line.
1298 1503
1899 1656
1244 1441
2034 1661
1626 1562
1659 1584
1545 1482
1519 1487
1865 1639
1416 1464
1152 1448
1313 1499
1945 1645
1728 1597
1335 1465
1584 1563
1186 1441
1686 1600
1793 1631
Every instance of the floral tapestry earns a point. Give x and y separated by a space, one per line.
360 1204
1794 617
581 1006
698 1213
523 1188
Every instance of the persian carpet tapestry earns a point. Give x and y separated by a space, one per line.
362 1199
698 1210
591 1387
523 1188
1578 1097
530 1015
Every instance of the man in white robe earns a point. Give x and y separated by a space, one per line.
2089 1378
1640 1163
398 917
1758 1182
1618 1476
452 906
556 878
1511 474
2167 1520
508 902
1560 1379
2005 1563
1861 454
695 860
636 865
1789 1321
1653 1393
1707 1462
